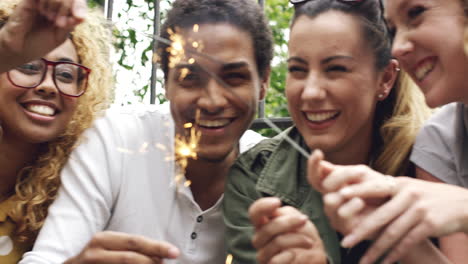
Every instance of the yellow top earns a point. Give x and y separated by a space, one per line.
10 250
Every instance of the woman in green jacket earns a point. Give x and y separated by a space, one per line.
345 99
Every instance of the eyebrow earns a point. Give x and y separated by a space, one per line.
66 60
324 61
399 10
234 66
336 57
297 59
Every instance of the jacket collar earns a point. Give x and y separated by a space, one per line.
284 174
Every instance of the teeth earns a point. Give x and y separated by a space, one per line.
214 123
423 70
318 117
41 109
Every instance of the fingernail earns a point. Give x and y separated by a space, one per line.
61 21
173 252
332 199
348 241
80 12
364 260
346 191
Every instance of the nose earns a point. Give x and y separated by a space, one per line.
47 87
314 89
213 98
402 46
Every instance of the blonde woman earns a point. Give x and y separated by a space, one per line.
45 105
430 43
344 98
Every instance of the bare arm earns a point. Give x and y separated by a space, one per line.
454 246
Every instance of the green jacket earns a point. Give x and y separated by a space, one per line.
272 168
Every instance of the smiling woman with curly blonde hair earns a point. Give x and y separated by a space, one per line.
43 123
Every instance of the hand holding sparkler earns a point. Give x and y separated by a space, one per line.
284 234
114 248
37 27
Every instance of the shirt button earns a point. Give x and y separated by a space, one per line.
200 219
193 235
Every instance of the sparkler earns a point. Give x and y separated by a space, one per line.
229 259
186 148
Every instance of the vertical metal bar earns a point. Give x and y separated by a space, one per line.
109 7
155 66
261 105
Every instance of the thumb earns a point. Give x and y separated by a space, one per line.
318 169
79 9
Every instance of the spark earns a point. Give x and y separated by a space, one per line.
196 27
176 49
229 259
144 148
160 146
183 74
156 57
191 61
124 150
187 183
186 148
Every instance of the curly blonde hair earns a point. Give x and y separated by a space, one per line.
37 185
397 126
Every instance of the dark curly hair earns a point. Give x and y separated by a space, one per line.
246 15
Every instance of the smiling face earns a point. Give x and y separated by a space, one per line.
225 111
39 114
332 84
429 45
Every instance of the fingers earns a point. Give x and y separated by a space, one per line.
114 241
262 210
351 208
283 257
393 233
345 175
378 219
317 170
381 187
342 214
278 226
79 9
411 239
102 256
283 243
64 13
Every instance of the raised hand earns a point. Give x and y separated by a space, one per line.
37 27
284 235
115 248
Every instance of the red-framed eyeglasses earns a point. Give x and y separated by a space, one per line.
69 78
